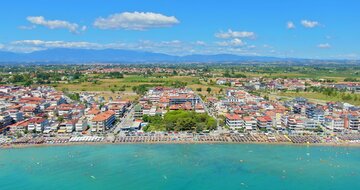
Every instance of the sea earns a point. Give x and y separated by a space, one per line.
180 167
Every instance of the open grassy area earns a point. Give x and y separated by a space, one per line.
214 89
128 82
111 87
317 96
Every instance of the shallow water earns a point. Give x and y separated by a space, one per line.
180 166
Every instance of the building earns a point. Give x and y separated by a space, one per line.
16 115
5 120
119 109
310 123
234 121
352 122
81 125
335 124
37 124
138 111
249 123
20 126
295 123
183 98
103 121
264 122
70 125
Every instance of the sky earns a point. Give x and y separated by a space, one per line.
321 29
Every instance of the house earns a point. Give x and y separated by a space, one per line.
221 81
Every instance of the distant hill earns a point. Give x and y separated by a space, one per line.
63 55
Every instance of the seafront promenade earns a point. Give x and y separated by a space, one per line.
348 139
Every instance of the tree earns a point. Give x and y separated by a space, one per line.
28 83
60 119
18 78
208 90
141 89
181 120
266 97
227 73
199 89
74 96
122 88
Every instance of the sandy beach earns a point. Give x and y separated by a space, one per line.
17 146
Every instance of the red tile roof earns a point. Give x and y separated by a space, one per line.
232 116
103 116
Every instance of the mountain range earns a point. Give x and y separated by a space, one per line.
62 55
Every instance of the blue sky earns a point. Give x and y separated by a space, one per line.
298 28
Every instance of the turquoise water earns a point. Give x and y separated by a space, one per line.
180 167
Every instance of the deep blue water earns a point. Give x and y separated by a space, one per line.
228 166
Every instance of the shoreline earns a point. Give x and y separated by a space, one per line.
21 146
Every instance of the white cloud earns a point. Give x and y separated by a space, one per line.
2 46
55 44
232 42
290 25
135 21
27 27
171 43
200 43
55 24
324 46
235 34
267 46
309 24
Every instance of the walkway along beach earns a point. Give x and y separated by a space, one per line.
345 140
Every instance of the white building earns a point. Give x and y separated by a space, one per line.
234 121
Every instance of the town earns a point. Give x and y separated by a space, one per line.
240 112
